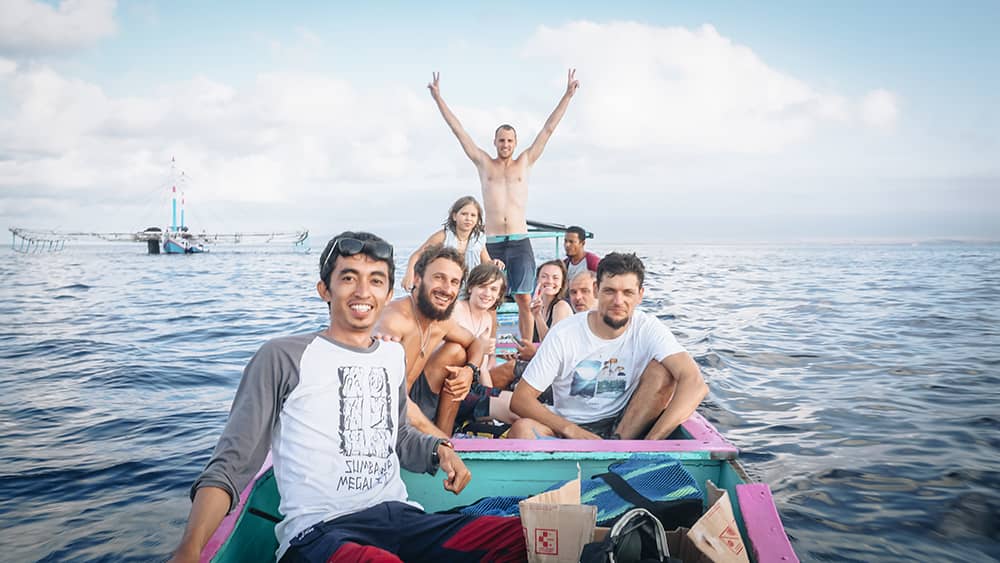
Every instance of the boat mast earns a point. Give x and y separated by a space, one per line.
173 196
183 183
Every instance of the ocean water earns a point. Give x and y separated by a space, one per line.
860 381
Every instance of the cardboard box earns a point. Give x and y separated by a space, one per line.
556 526
714 538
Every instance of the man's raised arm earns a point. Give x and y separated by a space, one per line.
475 154
536 148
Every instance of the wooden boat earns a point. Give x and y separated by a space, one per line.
526 467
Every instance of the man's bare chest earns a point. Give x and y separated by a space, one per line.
420 342
505 175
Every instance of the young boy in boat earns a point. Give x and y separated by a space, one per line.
331 407
442 358
504 182
615 372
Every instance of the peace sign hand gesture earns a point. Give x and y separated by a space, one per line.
571 82
433 86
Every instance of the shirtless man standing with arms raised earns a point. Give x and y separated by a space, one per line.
504 182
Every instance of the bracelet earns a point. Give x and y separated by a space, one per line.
435 459
475 371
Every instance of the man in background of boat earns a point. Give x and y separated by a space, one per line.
581 291
331 407
578 258
615 372
441 356
504 182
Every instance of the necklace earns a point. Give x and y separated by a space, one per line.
462 243
424 338
480 324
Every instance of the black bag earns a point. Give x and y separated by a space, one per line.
637 537
670 514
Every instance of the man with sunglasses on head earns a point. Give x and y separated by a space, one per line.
331 408
441 356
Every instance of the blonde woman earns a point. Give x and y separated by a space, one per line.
462 230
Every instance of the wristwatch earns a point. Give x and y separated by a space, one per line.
435 459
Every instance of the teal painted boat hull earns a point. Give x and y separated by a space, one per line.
248 533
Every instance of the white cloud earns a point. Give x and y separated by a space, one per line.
281 139
7 67
51 113
690 90
880 109
29 28
683 121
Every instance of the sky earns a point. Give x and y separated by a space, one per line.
694 121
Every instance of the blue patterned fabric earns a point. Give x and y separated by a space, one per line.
656 479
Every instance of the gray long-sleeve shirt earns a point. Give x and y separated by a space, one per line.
334 418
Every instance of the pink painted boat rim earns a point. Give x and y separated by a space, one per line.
704 437
770 542
229 522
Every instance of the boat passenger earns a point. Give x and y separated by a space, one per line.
581 298
549 305
489 397
615 372
461 230
504 183
476 311
581 291
331 408
578 258
442 358
548 308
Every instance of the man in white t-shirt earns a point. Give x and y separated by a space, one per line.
615 372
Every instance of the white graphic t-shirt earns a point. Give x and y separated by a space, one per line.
334 449
334 419
592 378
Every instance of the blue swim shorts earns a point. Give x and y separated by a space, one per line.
519 258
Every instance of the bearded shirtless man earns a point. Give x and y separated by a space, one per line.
504 182
438 371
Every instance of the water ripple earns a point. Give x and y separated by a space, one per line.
861 382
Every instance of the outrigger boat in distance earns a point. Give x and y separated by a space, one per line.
175 239
165 241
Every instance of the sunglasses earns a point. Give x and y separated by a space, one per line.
350 246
